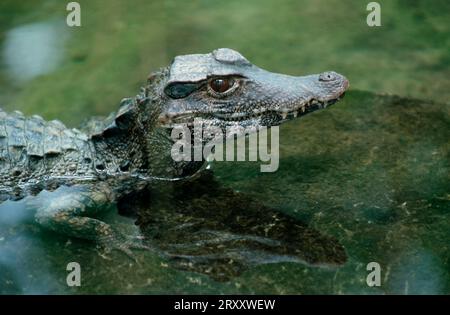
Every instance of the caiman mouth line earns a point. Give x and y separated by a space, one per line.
308 107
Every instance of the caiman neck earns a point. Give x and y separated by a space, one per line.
132 143
120 144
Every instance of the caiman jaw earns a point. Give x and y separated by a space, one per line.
308 107
299 111
305 108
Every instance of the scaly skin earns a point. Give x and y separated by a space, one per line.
131 148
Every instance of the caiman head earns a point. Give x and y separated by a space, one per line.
224 89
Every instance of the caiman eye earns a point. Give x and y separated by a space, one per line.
221 85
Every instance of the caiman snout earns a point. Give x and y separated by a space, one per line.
331 86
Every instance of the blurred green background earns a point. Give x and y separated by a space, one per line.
121 42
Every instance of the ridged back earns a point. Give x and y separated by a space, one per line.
32 149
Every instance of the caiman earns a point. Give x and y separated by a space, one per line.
131 148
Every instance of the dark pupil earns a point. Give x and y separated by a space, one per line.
220 85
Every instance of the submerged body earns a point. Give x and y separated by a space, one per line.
131 148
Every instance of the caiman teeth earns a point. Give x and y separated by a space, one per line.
235 117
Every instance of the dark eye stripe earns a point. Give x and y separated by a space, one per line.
180 90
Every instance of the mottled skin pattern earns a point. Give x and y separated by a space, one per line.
131 148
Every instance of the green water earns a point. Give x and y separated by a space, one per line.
371 172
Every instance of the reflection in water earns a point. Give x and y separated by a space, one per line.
33 49
203 227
